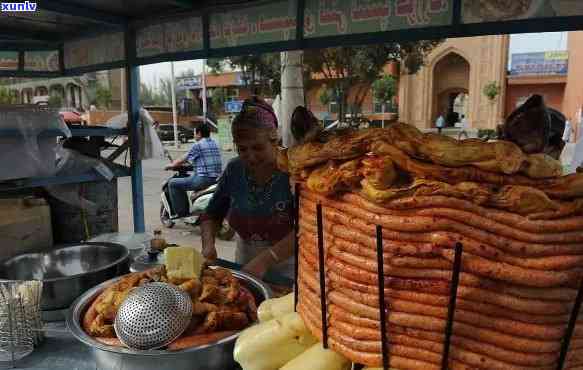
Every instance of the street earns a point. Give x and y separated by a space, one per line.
154 175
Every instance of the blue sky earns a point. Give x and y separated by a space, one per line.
519 43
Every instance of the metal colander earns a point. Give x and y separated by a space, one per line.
153 316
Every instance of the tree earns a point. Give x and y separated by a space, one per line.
260 72
326 96
55 101
218 99
6 97
358 67
103 97
384 90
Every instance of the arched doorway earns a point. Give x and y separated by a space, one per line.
451 81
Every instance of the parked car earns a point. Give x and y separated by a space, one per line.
166 133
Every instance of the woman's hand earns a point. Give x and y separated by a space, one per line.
209 250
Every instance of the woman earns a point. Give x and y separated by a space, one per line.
254 196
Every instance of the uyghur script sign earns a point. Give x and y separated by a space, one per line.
475 11
98 50
171 37
551 62
8 60
267 23
339 17
41 61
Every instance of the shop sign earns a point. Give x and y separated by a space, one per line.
41 61
255 25
340 17
478 11
170 37
8 60
543 63
103 49
188 83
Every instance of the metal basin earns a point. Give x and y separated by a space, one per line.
68 271
214 356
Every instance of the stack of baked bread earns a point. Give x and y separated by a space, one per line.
519 221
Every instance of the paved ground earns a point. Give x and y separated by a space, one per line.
154 175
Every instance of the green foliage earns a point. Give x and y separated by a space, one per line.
486 133
55 101
385 88
346 67
326 96
261 72
103 97
6 97
492 90
218 99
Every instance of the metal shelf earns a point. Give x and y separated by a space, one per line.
34 182
82 131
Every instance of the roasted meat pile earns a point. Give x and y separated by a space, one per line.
220 306
519 221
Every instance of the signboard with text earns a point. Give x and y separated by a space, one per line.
41 61
98 50
8 60
550 62
340 17
266 23
170 37
475 11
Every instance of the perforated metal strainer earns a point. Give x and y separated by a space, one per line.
153 316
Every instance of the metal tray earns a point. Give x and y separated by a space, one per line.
214 356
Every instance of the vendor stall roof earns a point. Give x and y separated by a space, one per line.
58 37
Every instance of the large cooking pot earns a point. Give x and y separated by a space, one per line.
214 356
68 271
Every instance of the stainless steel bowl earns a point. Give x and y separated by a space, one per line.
68 271
214 356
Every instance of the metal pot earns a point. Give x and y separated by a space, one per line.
68 271
214 356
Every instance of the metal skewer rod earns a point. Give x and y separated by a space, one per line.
296 242
322 277
570 328
381 286
457 264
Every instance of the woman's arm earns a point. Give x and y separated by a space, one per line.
280 252
213 217
208 229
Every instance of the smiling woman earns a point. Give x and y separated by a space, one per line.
254 196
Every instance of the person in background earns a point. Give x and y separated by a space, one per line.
205 157
568 131
254 196
440 123
463 128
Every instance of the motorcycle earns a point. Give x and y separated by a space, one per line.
197 203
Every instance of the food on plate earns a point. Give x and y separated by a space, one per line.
183 263
275 307
519 220
318 358
272 344
222 306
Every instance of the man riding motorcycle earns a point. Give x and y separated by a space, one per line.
205 158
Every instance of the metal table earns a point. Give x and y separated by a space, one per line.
61 351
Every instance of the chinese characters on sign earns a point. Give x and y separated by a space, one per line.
333 17
551 62
170 37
